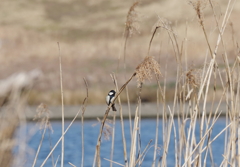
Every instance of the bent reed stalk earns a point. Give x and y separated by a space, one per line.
97 152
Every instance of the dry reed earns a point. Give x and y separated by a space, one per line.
62 102
131 27
145 70
192 92
42 115
84 104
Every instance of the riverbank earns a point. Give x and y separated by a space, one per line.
148 110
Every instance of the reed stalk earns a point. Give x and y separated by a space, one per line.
113 139
82 120
189 102
122 126
40 145
139 124
97 152
141 157
62 102
134 140
114 121
156 136
131 27
60 139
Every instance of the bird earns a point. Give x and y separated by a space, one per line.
109 99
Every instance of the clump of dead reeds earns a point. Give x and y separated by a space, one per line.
11 116
7 129
190 149
143 71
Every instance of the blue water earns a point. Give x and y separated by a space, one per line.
91 129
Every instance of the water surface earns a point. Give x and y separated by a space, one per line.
73 149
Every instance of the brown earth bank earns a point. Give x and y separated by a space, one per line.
90 35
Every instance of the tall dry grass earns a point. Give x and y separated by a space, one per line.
12 115
194 88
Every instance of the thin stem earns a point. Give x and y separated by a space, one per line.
61 80
156 135
40 145
113 139
60 139
82 120
97 152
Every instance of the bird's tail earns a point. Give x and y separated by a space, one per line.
114 108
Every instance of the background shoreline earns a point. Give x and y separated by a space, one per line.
149 110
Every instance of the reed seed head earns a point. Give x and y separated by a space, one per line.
42 116
193 77
107 130
146 68
132 22
198 6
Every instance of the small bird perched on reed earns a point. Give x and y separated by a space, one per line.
109 99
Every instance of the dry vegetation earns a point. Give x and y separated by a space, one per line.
199 54
90 34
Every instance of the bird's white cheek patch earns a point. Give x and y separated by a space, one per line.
107 99
110 93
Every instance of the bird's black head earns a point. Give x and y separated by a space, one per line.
112 93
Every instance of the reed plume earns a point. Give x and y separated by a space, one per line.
132 22
199 6
193 78
146 68
107 130
42 116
